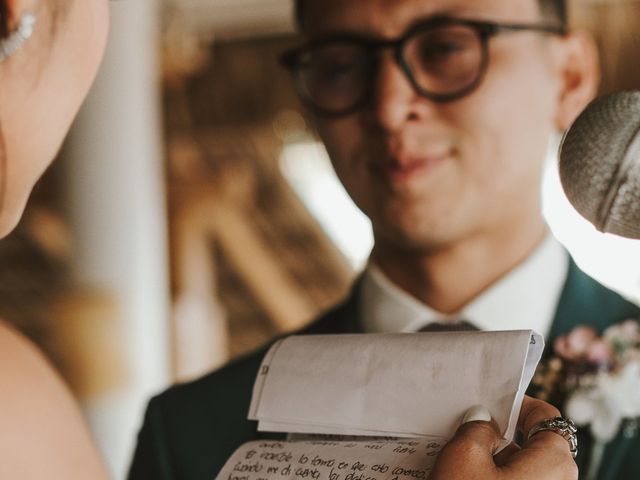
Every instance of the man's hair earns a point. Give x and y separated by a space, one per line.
553 9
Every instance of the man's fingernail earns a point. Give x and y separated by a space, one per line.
477 413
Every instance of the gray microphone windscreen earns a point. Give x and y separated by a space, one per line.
600 164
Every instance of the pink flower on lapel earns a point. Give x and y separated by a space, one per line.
576 344
600 353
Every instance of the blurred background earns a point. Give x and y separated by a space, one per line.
193 214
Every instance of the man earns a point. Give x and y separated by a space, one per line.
436 115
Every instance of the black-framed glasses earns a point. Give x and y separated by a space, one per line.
444 58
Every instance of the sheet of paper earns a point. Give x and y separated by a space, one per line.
333 460
399 385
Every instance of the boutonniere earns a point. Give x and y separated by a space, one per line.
596 379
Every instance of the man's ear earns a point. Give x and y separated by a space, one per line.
580 70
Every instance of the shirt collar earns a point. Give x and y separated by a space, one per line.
525 298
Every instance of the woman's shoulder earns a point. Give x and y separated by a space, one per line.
41 428
24 370
18 354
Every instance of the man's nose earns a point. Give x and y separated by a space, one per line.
394 99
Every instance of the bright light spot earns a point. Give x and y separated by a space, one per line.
612 260
308 170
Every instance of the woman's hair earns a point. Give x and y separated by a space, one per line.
5 15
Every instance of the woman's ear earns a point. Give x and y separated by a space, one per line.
580 68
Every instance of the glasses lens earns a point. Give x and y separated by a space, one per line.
334 77
445 60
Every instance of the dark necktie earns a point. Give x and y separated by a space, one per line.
461 326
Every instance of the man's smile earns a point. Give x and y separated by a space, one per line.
404 168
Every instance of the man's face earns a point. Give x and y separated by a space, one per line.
432 174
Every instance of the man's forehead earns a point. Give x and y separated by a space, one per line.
388 18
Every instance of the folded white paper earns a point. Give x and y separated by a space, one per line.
397 385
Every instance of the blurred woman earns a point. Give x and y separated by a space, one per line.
49 54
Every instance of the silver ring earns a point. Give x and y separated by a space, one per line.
563 427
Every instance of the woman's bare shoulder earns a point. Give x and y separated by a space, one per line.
17 353
41 428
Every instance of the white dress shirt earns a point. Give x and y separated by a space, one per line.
525 298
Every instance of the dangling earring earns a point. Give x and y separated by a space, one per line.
18 37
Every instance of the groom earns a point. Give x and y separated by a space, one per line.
436 115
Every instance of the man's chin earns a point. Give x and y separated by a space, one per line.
409 239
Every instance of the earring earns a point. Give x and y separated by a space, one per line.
18 37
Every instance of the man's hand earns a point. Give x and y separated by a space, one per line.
470 454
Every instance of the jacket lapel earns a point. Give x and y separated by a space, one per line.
617 459
584 301
344 318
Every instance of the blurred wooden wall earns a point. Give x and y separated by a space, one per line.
616 27
249 261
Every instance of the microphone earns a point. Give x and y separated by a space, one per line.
600 164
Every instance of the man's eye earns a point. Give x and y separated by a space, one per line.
336 69
442 50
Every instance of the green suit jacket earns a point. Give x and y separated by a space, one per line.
190 430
